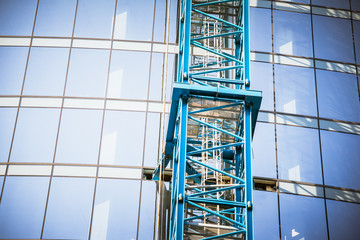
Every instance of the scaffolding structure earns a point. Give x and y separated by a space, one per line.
212 118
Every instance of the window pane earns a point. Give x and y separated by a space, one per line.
22 207
152 140
260 24
35 135
69 208
332 3
331 37
295 88
262 79
344 148
126 81
87 73
7 121
336 90
55 18
79 136
355 5
156 77
264 162
266 215
17 17
299 154
173 21
46 71
12 68
171 74
357 38
123 138
292 33
94 18
159 22
131 25
147 210
115 213
302 217
343 220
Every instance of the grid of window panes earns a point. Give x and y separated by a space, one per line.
85 91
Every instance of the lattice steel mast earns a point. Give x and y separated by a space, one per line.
212 117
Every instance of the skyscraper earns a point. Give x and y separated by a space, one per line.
85 92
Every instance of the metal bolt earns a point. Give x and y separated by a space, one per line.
181 197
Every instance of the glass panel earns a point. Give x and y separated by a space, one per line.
46 71
17 17
35 135
126 81
22 207
357 38
115 213
355 5
94 18
266 216
260 34
159 22
299 154
297 1
332 3
173 21
349 214
12 68
156 77
331 37
345 147
147 210
152 140
87 73
264 161
302 217
262 79
79 136
7 121
171 73
55 18
69 208
292 33
295 88
123 138
336 90
131 25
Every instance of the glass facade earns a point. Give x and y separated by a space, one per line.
85 91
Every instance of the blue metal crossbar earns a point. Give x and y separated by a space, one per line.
211 123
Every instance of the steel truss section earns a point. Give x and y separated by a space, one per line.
212 118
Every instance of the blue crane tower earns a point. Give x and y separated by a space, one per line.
212 119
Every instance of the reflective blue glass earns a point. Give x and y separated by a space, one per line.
79 136
94 18
147 210
171 73
302 217
264 161
156 76
336 90
262 79
266 218
55 18
341 159
355 5
295 90
87 73
35 135
69 208
12 68
357 38
152 140
292 33
159 21
22 207
123 138
126 81
17 17
7 122
331 37
260 34
298 154
297 1
46 71
115 213
332 3
346 227
131 25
